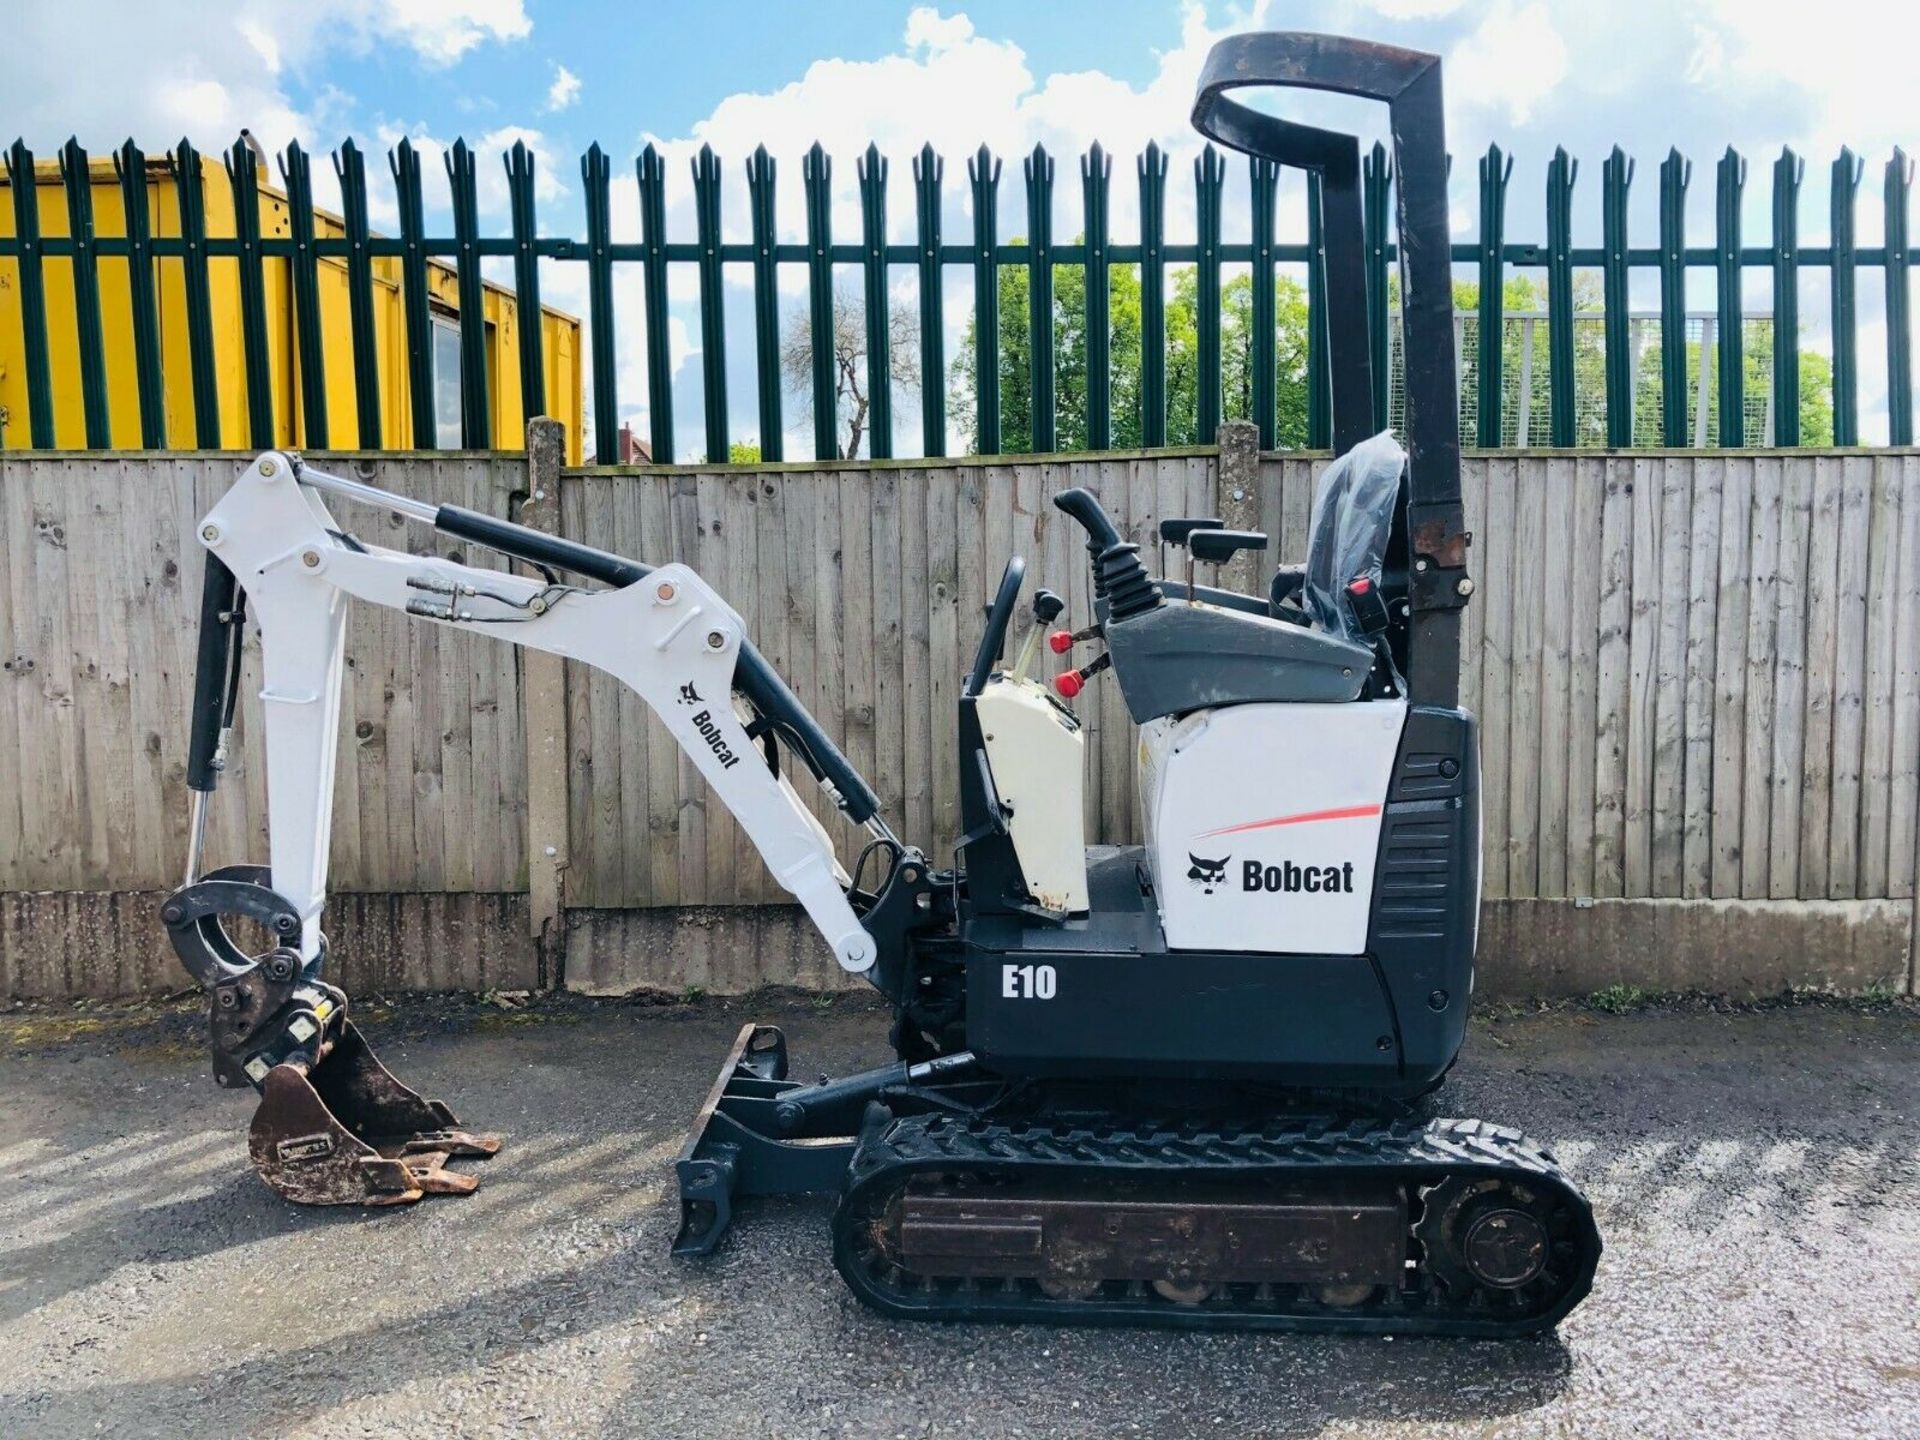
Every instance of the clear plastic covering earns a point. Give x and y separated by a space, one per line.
1352 520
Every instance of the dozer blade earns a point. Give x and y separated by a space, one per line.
347 1133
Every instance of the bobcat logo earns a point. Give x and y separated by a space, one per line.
689 695
1208 874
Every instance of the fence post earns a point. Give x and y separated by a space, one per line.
1616 177
543 699
1237 497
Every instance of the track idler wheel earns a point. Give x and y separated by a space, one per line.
345 1132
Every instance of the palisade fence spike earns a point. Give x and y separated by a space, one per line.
1153 295
596 175
1845 189
983 176
22 186
1788 171
870 170
1096 171
713 323
76 179
1562 172
1675 174
350 167
1899 310
816 174
130 169
1616 181
761 195
1376 178
1209 179
476 409
1040 343
927 171
1496 169
404 161
1730 179
650 171
1262 187
521 182
296 173
243 173
191 194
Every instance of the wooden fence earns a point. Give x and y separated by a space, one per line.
1698 677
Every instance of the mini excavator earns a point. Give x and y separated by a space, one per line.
1175 1083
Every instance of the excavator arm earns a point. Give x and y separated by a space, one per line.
334 1126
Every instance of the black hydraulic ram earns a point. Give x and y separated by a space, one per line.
753 676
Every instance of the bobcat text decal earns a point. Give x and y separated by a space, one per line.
716 742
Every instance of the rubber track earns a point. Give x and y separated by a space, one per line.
1406 1152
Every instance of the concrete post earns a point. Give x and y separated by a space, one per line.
544 705
1237 503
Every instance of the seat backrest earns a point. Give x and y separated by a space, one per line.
1352 523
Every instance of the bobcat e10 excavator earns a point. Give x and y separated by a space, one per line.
1172 1083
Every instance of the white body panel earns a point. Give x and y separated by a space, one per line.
1263 823
669 638
1037 753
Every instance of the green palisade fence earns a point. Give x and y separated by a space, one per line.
1701 368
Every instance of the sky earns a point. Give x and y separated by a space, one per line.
1528 74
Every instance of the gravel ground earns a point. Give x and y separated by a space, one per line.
1756 1175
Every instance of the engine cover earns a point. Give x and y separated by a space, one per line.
1263 823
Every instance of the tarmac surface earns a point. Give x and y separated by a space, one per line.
1756 1176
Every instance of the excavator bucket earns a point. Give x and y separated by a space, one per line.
345 1132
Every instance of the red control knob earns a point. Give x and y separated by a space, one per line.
1060 642
1069 684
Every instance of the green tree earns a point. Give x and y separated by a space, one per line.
1124 350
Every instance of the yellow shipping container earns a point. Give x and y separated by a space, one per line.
560 350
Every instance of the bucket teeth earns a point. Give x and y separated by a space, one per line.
348 1133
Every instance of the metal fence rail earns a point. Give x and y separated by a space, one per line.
930 255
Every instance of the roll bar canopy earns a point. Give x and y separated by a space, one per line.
1408 81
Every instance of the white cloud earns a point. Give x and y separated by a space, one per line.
927 27
183 65
565 89
442 31
1514 60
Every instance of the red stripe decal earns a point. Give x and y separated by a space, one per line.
1351 812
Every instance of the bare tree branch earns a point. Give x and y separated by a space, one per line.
852 404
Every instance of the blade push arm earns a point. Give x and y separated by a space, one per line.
666 635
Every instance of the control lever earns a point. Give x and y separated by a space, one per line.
1178 532
1069 683
1047 608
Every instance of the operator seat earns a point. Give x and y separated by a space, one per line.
1171 658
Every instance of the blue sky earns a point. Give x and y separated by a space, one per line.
1528 73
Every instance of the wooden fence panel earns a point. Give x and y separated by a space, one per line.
100 579
1697 676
